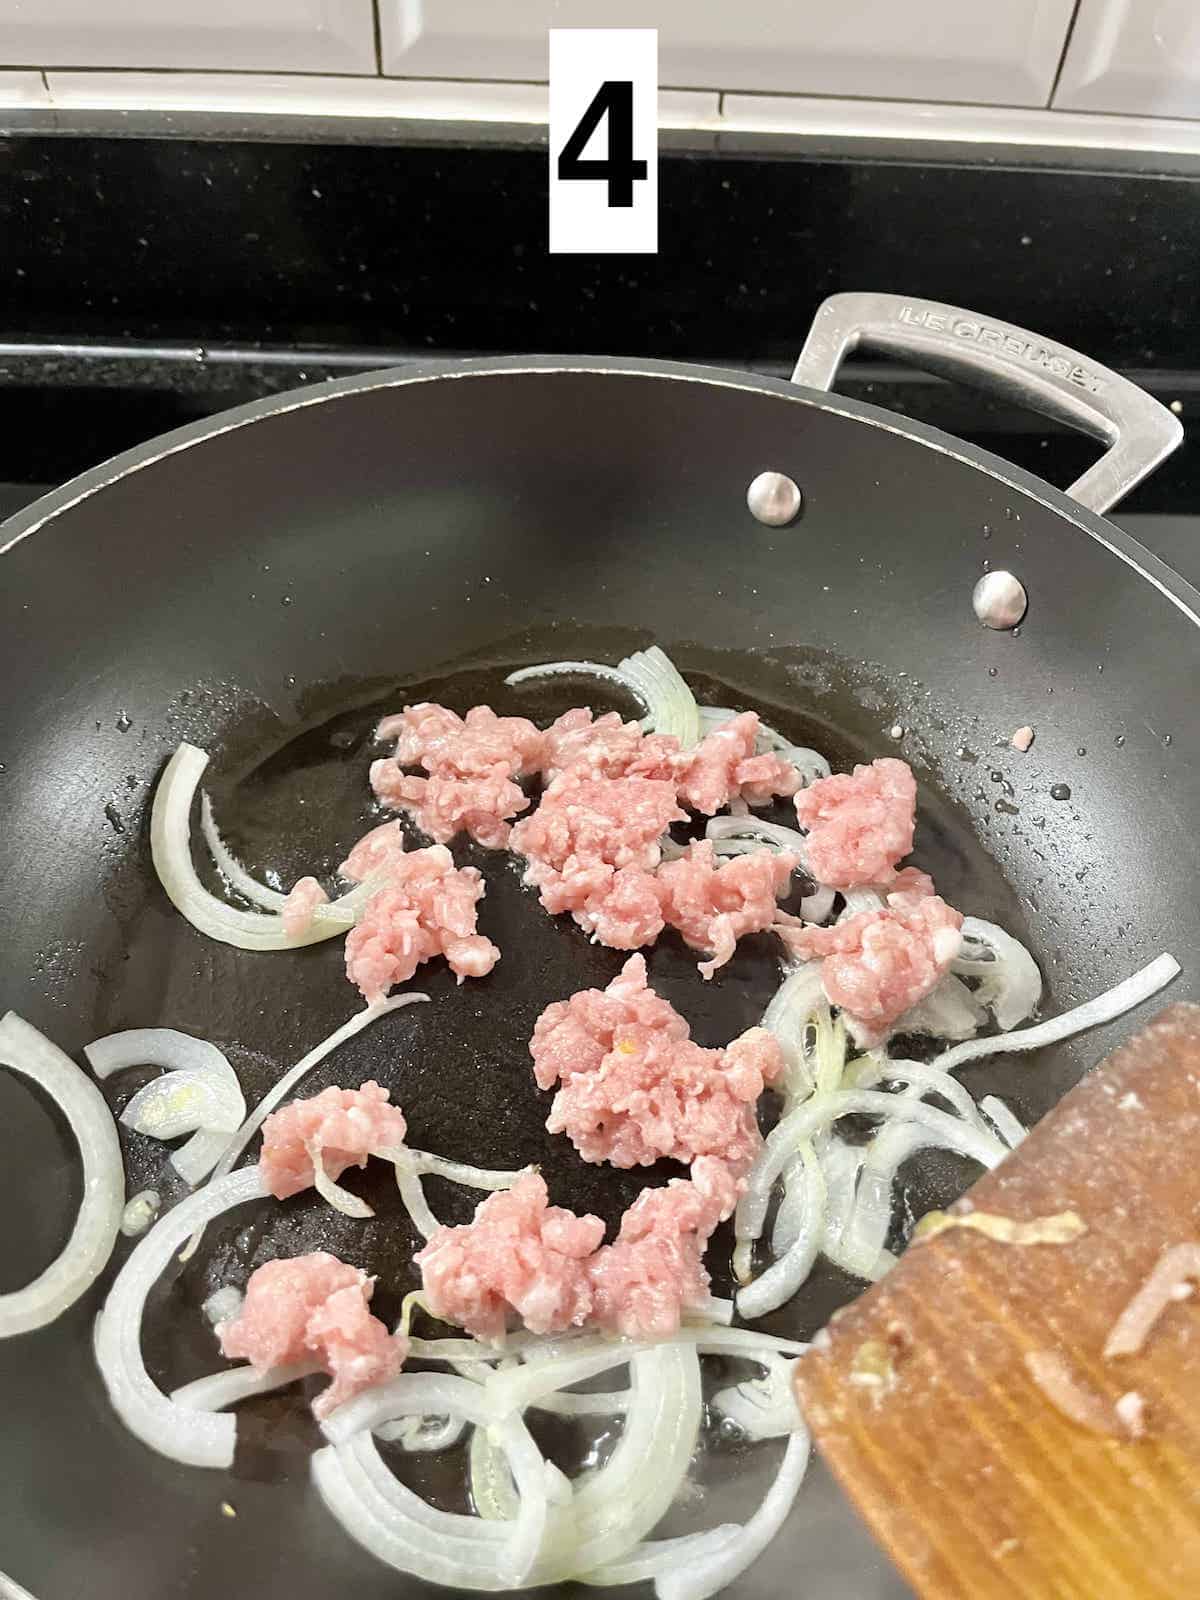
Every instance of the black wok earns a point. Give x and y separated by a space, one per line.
264 582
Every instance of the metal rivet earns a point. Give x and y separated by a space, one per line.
999 600
774 499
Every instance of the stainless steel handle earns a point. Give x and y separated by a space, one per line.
1050 378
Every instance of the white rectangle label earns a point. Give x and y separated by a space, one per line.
603 141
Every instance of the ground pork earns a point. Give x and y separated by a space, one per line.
635 1088
642 1284
723 767
305 896
606 747
519 1254
575 1035
592 846
470 764
859 824
714 905
344 1124
878 964
426 907
314 1308
377 851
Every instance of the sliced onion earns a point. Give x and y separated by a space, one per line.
221 1389
1010 983
461 1172
788 1016
650 676
671 705
198 1094
26 1051
196 1438
231 869
765 1407
1002 1119
170 847
949 1011
867 1229
350 1205
649 1560
423 1434
860 900
813 1116
1113 1003
704 1575
140 1211
756 834
493 1492
922 1077
782 1279
841 1164
408 1182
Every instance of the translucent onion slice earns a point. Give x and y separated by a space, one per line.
350 1205
424 1161
789 1017
26 1051
815 1115
170 847
650 676
231 869
949 1011
1010 984
221 1389
421 1435
782 1279
195 1438
705 1574
1114 1003
763 1407
198 1094
672 706
1002 1119
649 1560
757 833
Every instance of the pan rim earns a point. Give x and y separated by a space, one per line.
43 511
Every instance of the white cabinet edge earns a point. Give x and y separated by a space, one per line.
284 94
811 116
817 117
20 91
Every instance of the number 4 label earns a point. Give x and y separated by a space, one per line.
603 141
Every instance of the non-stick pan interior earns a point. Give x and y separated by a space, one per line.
269 592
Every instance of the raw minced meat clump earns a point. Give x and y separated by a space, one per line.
714 903
592 847
313 1308
636 1089
426 907
469 764
860 824
342 1126
519 1254
522 1256
876 965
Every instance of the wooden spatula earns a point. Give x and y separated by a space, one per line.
926 1401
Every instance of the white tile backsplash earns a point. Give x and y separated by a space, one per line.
218 35
987 51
